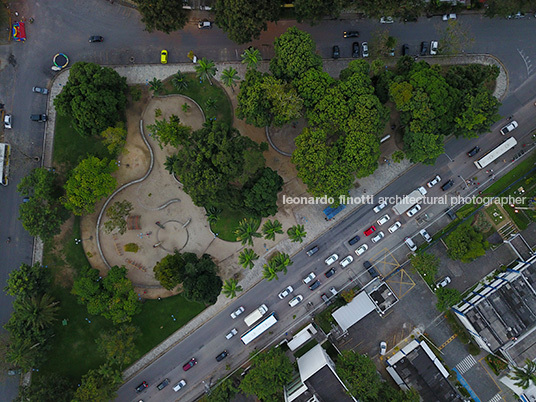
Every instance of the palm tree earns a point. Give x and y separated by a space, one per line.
212 214
524 376
269 272
210 103
179 81
230 287
251 57
229 77
246 231
39 312
205 69
281 261
246 258
269 229
297 233
156 85
170 162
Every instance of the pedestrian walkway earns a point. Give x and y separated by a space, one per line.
496 398
466 364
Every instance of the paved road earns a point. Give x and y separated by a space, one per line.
64 26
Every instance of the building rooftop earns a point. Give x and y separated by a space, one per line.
327 387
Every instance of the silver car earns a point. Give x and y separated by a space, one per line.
378 237
285 292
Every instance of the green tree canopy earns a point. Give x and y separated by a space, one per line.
47 388
118 346
466 244
260 195
170 133
446 298
113 296
115 138
359 374
162 15
243 20
526 375
90 181
313 11
94 97
28 280
96 386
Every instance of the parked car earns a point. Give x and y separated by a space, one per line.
350 34
393 228
41 118
330 273
163 384
180 385
311 251
236 313
473 151
353 240
295 300
95 38
433 47
378 237
204 24
7 121
360 250
314 285
434 181
163 56
386 20
331 259
383 219
39 90
509 127
447 185
222 356
379 207
447 17
383 348
424 48
325 299
370 269
364 49
425 235
405 49
285 292
443 282
333 291
451 214
355 49
336 52
369 231
346 261
413 210
409 242
232 333
309 278
141 387
192 362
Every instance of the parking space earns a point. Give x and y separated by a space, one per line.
384 262
401 282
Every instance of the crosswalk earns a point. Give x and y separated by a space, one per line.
465 364
496 398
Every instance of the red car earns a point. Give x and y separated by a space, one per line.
370 230
190 364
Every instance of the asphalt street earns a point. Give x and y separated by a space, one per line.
65 25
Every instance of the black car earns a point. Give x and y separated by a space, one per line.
325 299
330 273
311 251
447 185
473 151
350 34
222 356
424 48
371 270
355 49
163 384
95 38
141 387
38 117
353 240
315 285
336 53
405 49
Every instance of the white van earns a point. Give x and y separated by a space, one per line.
410 244
425 235
180 385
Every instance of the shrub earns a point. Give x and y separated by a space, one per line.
348 295
473 349
131 247
157 112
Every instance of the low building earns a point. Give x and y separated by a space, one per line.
302 337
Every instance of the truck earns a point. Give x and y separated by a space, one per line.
256 315
409 200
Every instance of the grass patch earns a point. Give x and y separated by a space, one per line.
201 92
325 319
496 364
495 214
305 348
70 147
228 222
331 351
131 247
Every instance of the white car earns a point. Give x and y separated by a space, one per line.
361 250
433 47
231 334
295 301
409 242
447 17
413 210
378 237
331 259
443 282
506 129
394 227
346 261
434 181
426 235
7 121
333 291
383 348
383 219
309 278
386 20
180 385
236 313
285 292
379 207
364 49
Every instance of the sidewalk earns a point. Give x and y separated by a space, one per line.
309 215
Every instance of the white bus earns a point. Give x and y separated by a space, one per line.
4 163
259 329
496 153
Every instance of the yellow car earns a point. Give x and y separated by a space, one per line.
163 56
